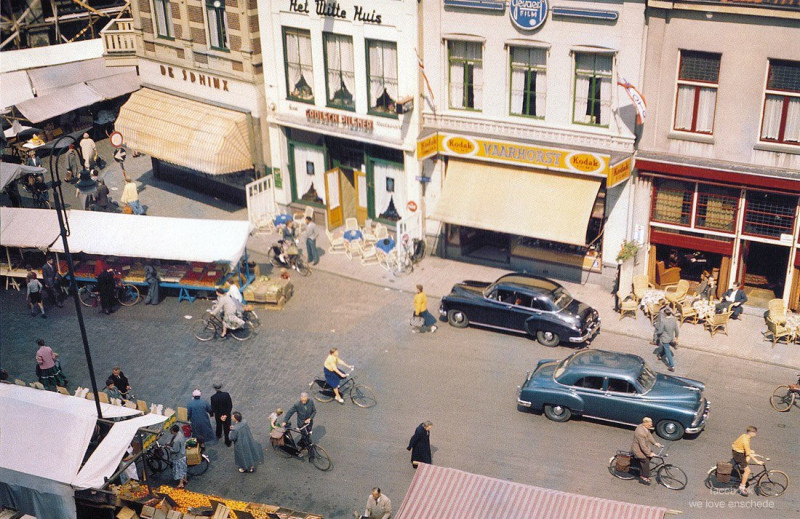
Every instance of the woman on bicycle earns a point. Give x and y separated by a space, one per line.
178 449
332 374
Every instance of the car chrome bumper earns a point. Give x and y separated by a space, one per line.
523 403
591 332
702 424
442 311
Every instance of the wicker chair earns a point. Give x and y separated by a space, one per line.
627 305
338 244
677 293
778 331
351 224
686 313
777 311
640 286
667 276
652 309
718 323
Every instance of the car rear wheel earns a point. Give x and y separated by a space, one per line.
457 319
557 413
548 338
669 430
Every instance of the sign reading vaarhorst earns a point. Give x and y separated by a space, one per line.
528 14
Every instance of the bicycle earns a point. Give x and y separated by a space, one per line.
124 293
210 326
293 257
290 449
667 475
768 483
159 459
785 396
360 394
407 255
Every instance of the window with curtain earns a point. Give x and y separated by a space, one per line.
592 89
781 121
672 202
716 207
217 24
163 17
382 74
465 60
386 202
528 81
339 71
698 80
299 71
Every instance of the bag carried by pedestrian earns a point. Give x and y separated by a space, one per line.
276 436
724 470
623 463
416 320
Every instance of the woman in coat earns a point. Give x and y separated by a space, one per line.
247 452
420 444
199 412
151 277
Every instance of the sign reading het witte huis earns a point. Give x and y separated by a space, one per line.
332 9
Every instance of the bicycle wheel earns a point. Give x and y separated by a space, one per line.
252 318
242 333
321 391
782 399
363 396
156 460
671 477
772 483
196 470
204 330
404 267
302 267
128 295
612 468
273 257
283 453
88 294
319 457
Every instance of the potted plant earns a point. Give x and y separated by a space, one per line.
628 250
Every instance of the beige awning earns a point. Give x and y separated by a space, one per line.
187 133
519 201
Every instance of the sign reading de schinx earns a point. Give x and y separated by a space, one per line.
528 14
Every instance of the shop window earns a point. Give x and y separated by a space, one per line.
385 204
217 24
781 121
672 202
716 208
382 73
339 71
769 214
698 78
299 70
466 74
163 16
528 81
592 102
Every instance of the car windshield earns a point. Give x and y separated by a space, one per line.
647 378
561 298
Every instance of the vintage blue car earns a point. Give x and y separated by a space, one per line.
616 387
522 303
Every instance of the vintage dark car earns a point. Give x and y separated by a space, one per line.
616 387
524 304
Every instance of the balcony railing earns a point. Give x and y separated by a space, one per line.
119 39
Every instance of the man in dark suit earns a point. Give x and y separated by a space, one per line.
732 300
222 405
49 282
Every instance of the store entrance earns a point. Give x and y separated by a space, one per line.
762 270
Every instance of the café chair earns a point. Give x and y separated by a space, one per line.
351 224
719 323
677 293
641 285
369 254
338 245
369 233
627 305
777 310
381 232
652 309
667 276
686 312
778 332
300 218
265 224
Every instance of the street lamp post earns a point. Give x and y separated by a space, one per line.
63 225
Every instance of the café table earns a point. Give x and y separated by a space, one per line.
353 234
281 219
793 324
705 309
386 244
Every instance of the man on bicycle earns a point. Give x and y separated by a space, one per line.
642 440
305 411
742 453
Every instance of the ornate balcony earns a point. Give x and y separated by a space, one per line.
119 43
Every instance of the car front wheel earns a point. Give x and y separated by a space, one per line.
548 338
557 413
669 430
457 318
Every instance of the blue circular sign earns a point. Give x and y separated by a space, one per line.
528 14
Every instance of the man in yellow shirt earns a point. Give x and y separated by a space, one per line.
742 453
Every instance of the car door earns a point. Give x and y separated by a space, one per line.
623 402
519 310
590 389
494 309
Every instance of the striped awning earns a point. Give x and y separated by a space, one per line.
187 133
445 493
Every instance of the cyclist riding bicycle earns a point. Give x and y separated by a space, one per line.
305 411
742 453
642 440
226 309
333 376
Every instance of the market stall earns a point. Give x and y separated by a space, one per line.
446 493
24 228
44 485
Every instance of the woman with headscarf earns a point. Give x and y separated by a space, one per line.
199 412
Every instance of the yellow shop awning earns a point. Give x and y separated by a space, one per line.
188 133
517 201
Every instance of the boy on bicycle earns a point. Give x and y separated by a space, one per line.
742 453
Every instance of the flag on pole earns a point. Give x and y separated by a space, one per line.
638 99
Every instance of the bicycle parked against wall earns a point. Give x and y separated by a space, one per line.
785 396
407 253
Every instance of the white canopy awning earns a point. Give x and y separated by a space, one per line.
24 227
53 79
51 105
10 172
15 87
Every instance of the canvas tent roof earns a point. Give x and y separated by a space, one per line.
9 172
24 227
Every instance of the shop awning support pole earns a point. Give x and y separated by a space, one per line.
58 200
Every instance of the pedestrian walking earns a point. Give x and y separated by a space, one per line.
178 450
312 233
378 506
200 412
666 334
73 164
105 286
50 282
305 411
151 277
222 405
101 201
47 371
642 440
420 444
421 310
89 151
247 453
34 294
130 196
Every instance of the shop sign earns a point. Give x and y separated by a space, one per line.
786 238
412 206
336 120
206 80
328 9
428 146
619 172
528 14
460 145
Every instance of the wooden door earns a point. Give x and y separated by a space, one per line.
361 196
333 195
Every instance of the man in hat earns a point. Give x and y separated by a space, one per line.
199 412
222 405
642 440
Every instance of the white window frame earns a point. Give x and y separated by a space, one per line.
785 115
699 88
